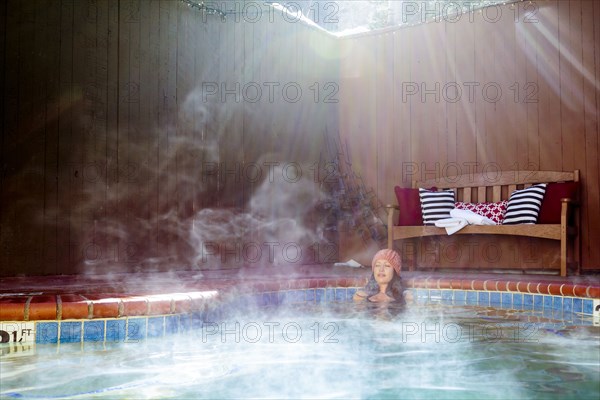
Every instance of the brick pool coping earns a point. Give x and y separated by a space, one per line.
65 297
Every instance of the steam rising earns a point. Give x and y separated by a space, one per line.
195 201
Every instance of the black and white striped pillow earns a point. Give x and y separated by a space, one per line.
435 205
524 205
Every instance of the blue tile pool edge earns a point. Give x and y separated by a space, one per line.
138 328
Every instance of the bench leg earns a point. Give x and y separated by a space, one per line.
563 257
563 246
564 213
390 225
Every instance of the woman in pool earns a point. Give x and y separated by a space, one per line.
385 284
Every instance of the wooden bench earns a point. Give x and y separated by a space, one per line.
478 187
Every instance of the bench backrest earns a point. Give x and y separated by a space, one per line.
494 186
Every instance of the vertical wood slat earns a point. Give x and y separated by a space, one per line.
451 106
566 83
111 171
183 145
511 188
496 193
520 106
101 134
135 143
423 72
509 72
51 171
147 94
163 167
467 195
3 12
82 155
466 111
439 107
31 131
402 116
170 102
481 195
484 153
94 128
384 112
487 47
149 103
122 213
65 133
549 87
166 173
10 132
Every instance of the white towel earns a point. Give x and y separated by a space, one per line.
471 217
452 225
350 263
461 218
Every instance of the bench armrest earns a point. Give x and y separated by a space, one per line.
566 209
570 202
390 222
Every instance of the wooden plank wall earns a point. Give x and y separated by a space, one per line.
528 75
113 135
128 124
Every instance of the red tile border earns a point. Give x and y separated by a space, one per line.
134 306
431 283
73 306
105 307
12 308
567 290
554 289
543 288
444 283
182 303
579 291
60 301
41 307
455 284
159 304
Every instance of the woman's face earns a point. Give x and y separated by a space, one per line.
383 271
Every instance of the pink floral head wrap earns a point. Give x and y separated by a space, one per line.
390 256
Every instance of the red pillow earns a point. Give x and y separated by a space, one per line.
550 210
410 206
493 211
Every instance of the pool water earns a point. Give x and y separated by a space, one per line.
342 350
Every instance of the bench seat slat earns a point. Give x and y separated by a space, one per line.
546 231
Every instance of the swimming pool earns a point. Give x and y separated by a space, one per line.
434 348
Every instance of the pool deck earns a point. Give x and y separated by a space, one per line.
60 297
